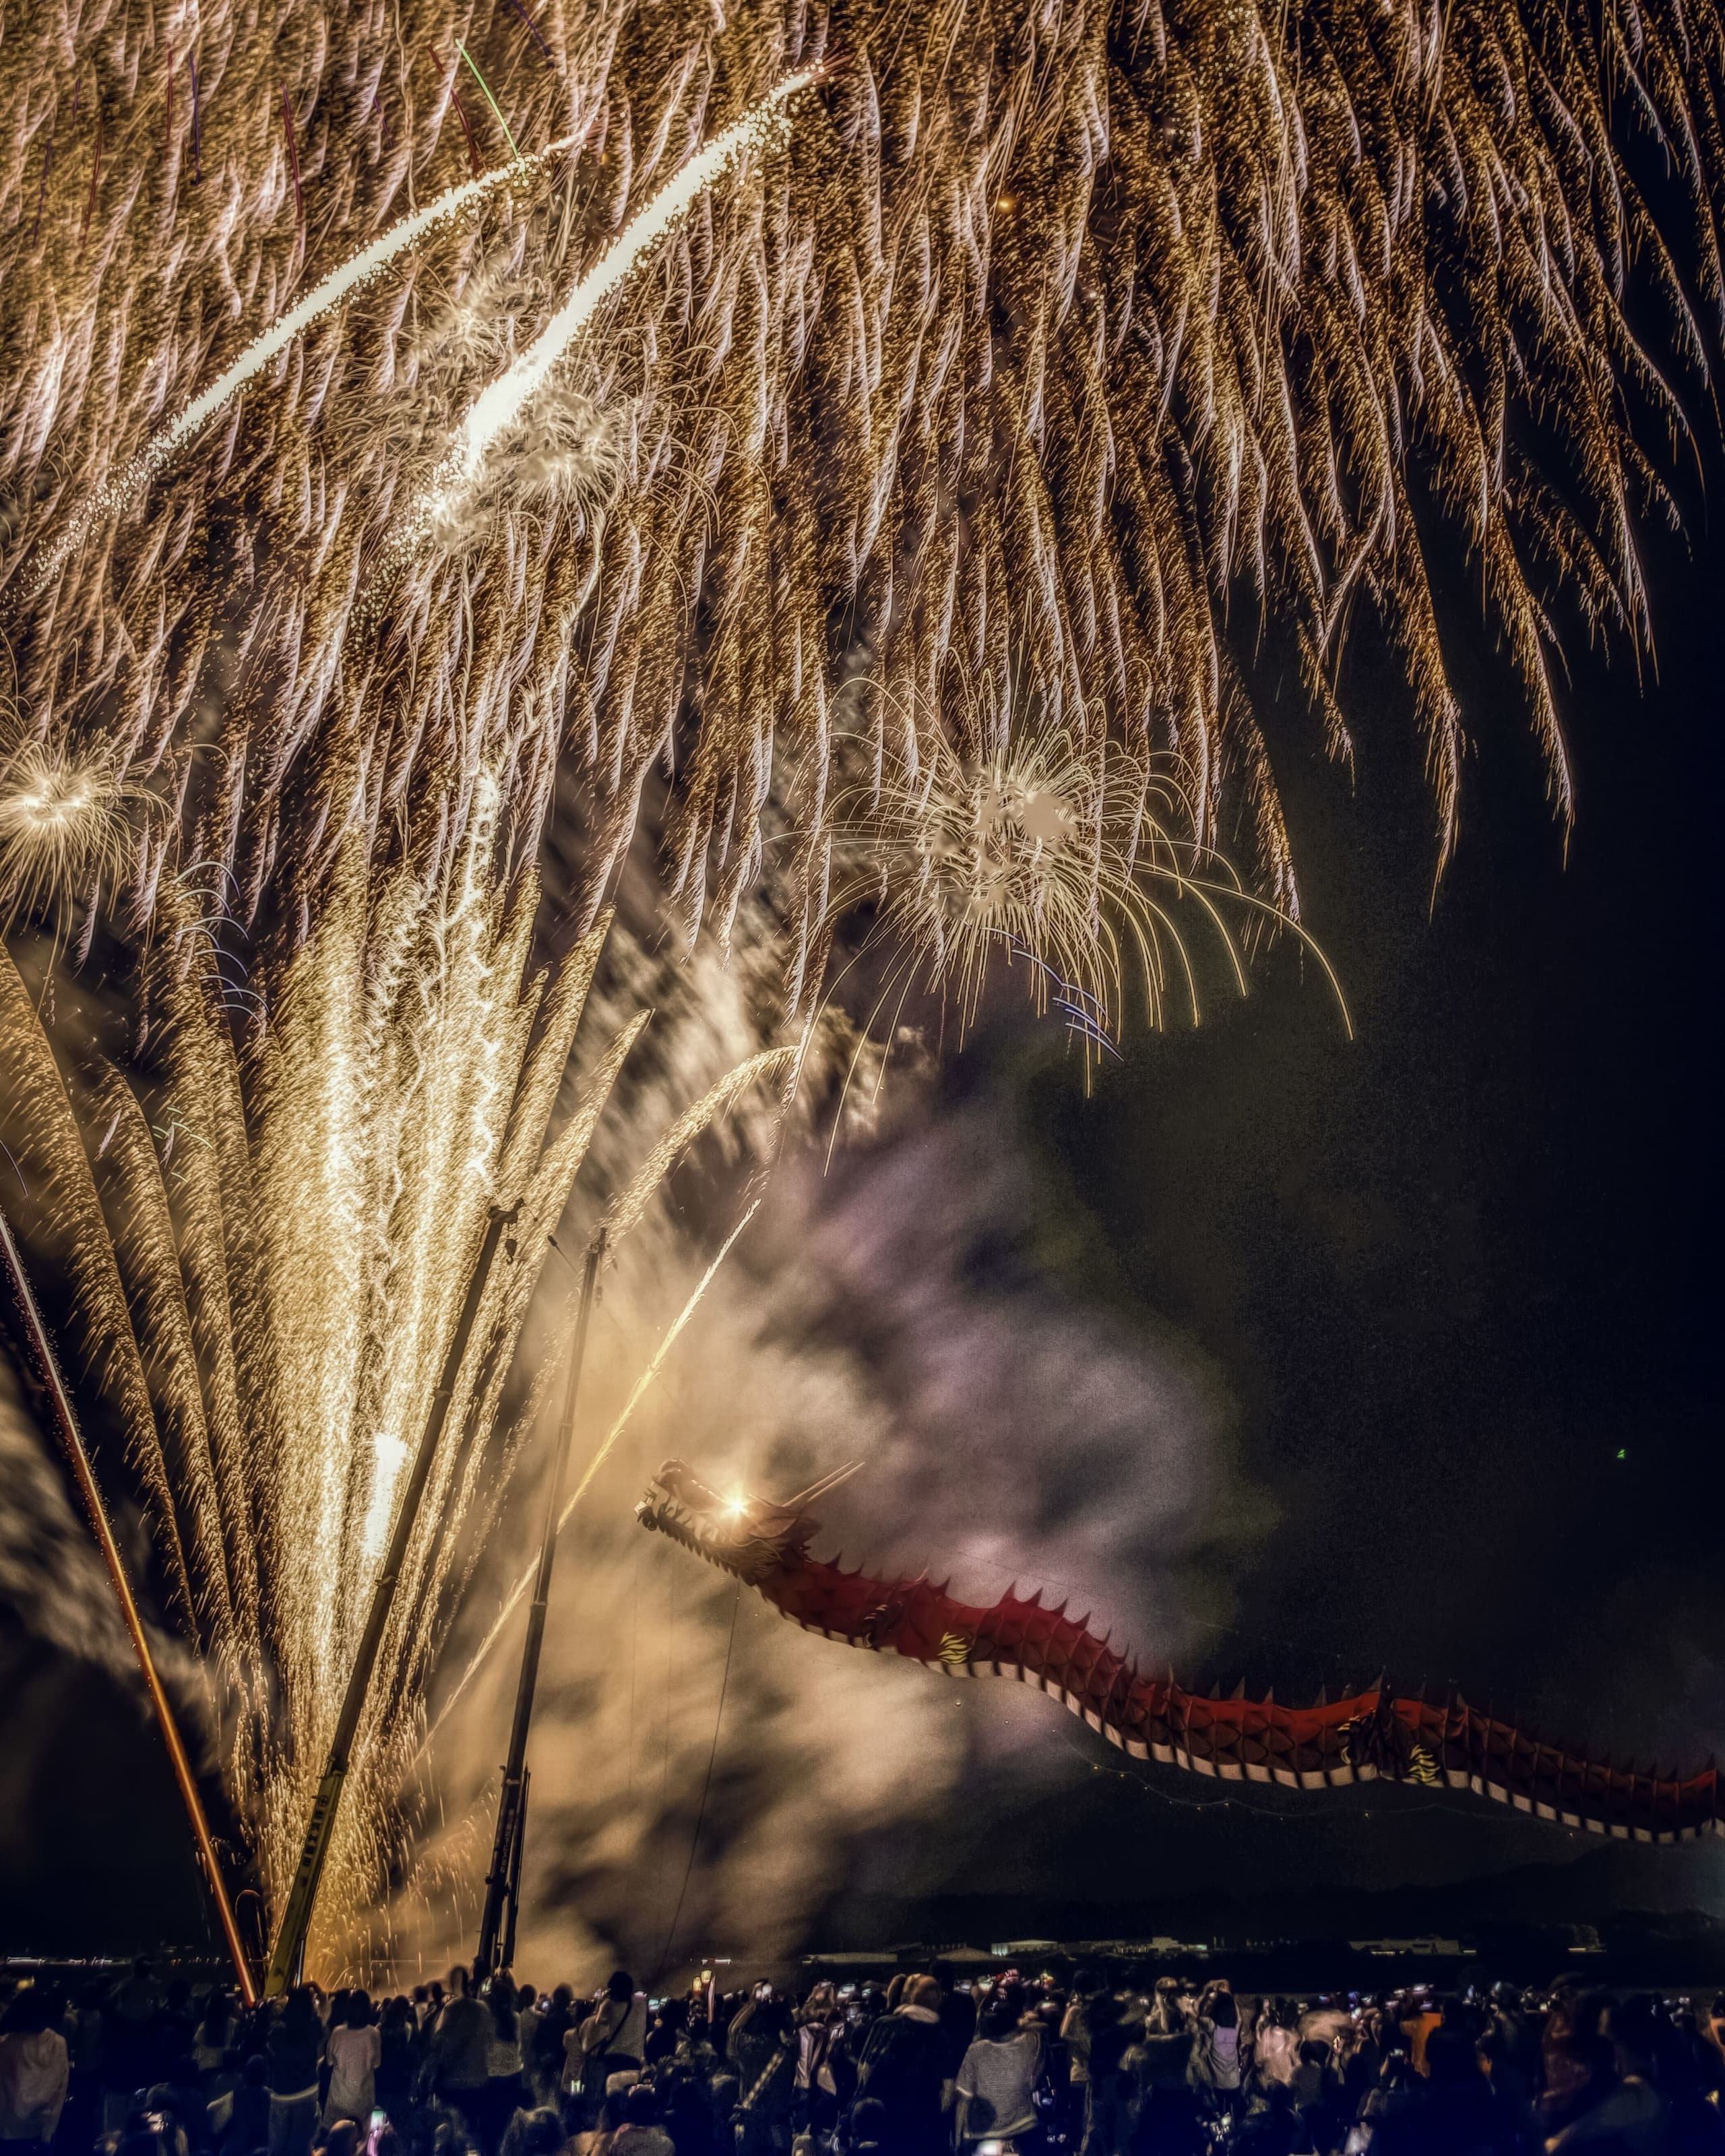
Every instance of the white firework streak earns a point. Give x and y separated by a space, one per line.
654 1367
498 406
126 487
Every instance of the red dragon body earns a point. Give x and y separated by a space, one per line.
1370 1735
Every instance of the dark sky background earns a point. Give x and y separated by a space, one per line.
1460 1276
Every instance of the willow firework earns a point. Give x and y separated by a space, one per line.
499 408
1048 335
1074 867
267 1262
129 485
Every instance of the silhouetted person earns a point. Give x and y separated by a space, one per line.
550 2028
460 2057
996 2082
613 2037
533 2133
901 2068
134 2010
504 2089
353 2048
868 2128
247 2127
397 2057
35 2071
294 2047
343 2138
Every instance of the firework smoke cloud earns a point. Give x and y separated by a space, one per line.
999 1426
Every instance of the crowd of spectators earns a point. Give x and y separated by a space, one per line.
1096 2064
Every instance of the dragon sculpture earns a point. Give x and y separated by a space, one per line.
1371 1735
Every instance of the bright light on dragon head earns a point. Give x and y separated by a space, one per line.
743 1535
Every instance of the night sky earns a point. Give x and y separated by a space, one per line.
1459 1275
1459 1278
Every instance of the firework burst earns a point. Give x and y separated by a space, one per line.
1003 373
1072 862
129 485
268 1259
565 453
64 829
502 427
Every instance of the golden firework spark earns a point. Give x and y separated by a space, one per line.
1039 341
64 829
500 406
1050 341
119 492
1069 860
270 1263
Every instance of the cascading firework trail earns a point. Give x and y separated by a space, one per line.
267 1264
500 405
292 1288
120 492
1050 339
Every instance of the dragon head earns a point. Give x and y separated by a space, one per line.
749 1536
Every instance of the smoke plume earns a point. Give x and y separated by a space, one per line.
50 1572
706 1779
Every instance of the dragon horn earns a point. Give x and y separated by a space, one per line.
821 1485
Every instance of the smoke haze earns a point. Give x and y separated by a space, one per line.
892 1312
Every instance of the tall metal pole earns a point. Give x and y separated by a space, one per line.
288 1956
503 1879
72 1439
